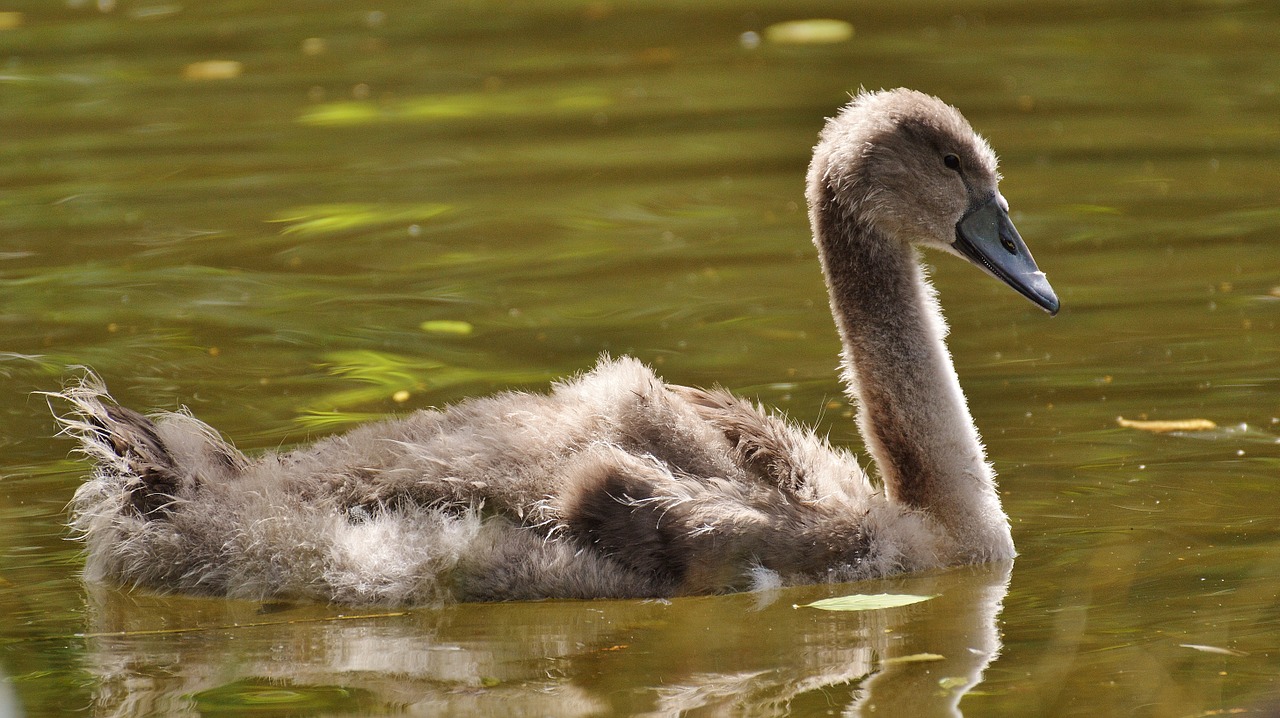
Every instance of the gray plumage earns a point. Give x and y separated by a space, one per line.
613 484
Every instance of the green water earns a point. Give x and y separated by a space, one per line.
397 205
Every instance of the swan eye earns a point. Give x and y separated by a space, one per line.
952 162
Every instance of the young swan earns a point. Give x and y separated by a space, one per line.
614 484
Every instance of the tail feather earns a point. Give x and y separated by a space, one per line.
124 444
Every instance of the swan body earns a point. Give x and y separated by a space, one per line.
613 484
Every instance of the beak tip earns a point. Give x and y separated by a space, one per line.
1041 292
986 237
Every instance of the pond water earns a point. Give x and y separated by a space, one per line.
292 217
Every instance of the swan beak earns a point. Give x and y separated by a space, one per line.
986 236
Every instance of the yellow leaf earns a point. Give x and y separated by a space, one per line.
1161 427
213 70
915 658
809 32
447 326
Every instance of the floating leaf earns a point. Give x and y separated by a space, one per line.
809 32
213 70
915 658
866 602
1161 427
460 106
447 326
1213 649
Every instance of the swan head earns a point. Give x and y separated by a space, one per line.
912 167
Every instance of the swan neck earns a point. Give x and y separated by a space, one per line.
911 411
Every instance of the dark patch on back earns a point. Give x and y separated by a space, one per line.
619 517
133 437
831 541
228 460
759 439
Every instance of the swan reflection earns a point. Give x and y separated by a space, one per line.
743 654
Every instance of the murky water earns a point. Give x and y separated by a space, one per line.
395 206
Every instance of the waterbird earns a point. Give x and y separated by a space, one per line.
613 484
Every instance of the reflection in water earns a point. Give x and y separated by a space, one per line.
9 705
724 655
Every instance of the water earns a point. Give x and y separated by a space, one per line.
542 184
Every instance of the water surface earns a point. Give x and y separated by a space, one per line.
392 207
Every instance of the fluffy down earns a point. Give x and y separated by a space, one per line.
612 485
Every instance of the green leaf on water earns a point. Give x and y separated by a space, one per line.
447 326
460 107
866 602
819 31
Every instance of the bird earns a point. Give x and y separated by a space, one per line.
613 483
